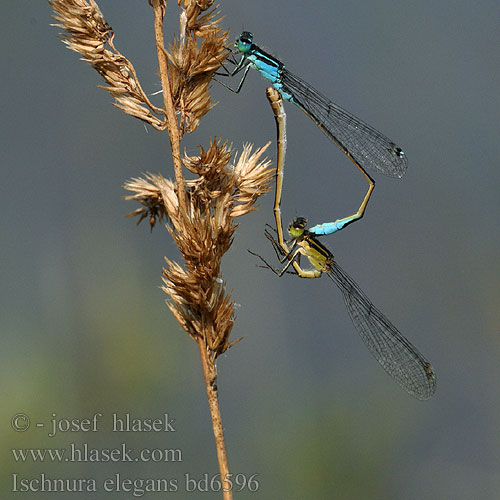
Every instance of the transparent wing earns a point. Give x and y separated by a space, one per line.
399 358
368 147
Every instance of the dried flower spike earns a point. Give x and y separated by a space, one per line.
199 213
88 33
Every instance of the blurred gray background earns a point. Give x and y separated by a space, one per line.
84 327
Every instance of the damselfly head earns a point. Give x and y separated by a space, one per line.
297 227
244 42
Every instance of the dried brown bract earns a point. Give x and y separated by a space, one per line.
192 65
148 192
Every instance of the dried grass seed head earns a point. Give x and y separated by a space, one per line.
88 33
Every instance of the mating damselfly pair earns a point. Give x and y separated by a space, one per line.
367 149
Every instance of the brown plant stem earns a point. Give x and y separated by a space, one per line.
208 365
173 131
210 376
